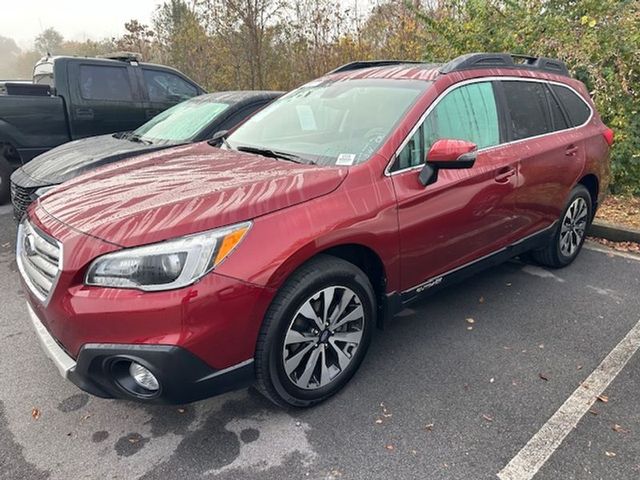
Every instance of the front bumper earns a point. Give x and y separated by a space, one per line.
183 377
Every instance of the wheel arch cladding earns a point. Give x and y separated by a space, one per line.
591 183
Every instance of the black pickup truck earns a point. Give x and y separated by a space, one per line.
76 97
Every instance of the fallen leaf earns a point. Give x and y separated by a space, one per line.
429 427
508 284
35 413
603 398
610 454
543 377
487 418
491 380
579 367
390 447
378 421
87 416
181 410
469 327
481 300
593 411
618 428
470 320
541 345
133 439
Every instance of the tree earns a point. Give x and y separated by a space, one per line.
49 42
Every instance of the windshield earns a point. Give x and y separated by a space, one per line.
180 123
330 123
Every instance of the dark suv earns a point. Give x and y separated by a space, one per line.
274 258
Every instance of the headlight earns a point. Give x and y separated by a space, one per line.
166 265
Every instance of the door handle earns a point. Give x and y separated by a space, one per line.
571 151
504 174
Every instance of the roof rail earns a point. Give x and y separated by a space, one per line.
370 63
505 60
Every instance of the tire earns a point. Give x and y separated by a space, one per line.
292 351
570 233
5 182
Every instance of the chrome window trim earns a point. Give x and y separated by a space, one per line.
389 173
21 269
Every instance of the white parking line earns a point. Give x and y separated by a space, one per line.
542 445
597 248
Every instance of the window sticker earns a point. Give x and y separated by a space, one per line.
306 118
346 159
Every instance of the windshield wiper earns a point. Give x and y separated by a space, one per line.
138 139
266 152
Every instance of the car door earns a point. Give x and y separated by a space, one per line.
106 99
465 214
550 154
164 89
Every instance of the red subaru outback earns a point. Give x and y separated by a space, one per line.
186 273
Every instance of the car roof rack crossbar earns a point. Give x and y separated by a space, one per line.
370 63
505 60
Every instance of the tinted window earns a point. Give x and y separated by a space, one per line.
557 117
99 82
467 113
528 109
576 107
167 87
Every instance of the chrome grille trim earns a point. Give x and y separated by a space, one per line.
39 260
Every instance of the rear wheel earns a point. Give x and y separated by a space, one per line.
316 333
570 233
5 175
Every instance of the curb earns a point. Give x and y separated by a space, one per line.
613 232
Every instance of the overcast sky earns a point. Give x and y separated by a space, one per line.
23 20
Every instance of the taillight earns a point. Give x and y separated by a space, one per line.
609 136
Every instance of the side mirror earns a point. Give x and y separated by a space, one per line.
448 154
218 138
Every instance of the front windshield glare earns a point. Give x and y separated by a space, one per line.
181 123
331 123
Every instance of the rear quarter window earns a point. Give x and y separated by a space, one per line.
574 105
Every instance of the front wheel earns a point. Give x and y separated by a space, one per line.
570 233
316 333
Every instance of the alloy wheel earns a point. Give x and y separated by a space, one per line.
323 337
574 226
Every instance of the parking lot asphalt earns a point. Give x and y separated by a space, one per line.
453 388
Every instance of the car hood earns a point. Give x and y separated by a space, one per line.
75 158
183 190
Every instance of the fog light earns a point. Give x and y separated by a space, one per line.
144 377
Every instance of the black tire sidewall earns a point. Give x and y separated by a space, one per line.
579 191
352 278
5 180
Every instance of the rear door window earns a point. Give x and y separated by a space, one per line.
575 107
557 117
528 109
467 113
100 82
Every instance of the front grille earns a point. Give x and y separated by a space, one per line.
39 259
21 198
